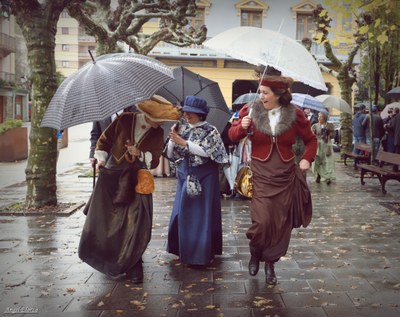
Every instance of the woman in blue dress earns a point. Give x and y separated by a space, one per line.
195 228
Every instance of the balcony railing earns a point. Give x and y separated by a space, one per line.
7 76
82 38
7 44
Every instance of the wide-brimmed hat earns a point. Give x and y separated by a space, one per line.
159 109
195 104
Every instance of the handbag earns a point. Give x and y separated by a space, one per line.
244 182
193 185
145 182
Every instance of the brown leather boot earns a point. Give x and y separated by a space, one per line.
270 276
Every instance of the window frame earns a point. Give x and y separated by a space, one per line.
251 14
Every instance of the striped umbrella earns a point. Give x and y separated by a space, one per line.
104 86
307 101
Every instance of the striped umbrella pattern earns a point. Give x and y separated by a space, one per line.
104 86
308 101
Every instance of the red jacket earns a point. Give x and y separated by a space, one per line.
292 123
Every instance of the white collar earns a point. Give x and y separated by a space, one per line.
275 111
198 124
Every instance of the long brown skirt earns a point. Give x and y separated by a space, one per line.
281 202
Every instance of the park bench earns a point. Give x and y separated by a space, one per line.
358 158
385 169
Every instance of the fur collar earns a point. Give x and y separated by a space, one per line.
261 119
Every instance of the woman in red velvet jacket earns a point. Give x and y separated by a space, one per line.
281 199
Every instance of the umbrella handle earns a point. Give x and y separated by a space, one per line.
94 172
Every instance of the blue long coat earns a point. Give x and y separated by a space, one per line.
195 228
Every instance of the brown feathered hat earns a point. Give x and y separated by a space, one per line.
159 109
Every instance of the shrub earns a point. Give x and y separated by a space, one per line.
10 124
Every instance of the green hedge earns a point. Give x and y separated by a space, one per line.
10 124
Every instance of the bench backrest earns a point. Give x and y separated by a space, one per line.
363 147
388 157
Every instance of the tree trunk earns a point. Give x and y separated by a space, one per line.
346 123
39 25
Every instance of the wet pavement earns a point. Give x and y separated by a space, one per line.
346 263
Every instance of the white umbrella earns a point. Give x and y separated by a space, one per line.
307 101
265 47
393 105
330 102
104 86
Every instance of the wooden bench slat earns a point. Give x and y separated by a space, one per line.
388 157
383 173
358 158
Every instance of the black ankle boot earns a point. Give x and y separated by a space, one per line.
254 265
270 277
136 273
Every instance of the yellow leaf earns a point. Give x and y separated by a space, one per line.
377 22
318 38
323 12
119 311
383 38
210 307
364 29
335 42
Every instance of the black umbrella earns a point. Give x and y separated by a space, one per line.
394 93
188 83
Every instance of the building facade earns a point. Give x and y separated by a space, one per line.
290 17
14 96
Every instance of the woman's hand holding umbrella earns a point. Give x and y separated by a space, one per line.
175 137
246 122
132 152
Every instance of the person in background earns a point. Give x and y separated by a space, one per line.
241 157
98 127
394 126
310 116
323 167
118 225
226 183
195 227
385 136
389 131
359 135
281 199
377 128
